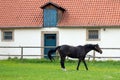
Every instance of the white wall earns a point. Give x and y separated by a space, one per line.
73 36
23 37
109 38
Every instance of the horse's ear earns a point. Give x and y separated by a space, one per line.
96 44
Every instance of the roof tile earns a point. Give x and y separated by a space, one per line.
27 13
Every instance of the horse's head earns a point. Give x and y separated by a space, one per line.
97 48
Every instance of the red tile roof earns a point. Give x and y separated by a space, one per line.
27 13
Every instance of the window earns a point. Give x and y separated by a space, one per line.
93 35
7 35
50 17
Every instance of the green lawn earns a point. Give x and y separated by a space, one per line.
45 70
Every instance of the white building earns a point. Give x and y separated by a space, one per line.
38 24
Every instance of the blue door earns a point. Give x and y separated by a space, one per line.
50 18
49 40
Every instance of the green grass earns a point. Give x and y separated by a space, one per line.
15 69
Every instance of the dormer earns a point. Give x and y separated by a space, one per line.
52 14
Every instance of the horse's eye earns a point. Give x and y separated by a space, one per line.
96 47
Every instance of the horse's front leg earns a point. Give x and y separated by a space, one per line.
62 63
85 64
78 64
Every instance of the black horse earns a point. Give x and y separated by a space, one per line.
74 52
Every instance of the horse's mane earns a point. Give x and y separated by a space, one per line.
88 44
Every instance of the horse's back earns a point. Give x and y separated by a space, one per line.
70 51
67 47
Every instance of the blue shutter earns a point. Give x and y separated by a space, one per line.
50 17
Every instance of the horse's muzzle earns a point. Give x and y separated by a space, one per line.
101 52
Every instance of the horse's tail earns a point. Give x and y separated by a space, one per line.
50 52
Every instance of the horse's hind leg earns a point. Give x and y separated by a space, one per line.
62 63
78 64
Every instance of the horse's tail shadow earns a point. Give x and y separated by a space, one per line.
50 52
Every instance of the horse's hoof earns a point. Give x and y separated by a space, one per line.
77 69
64 69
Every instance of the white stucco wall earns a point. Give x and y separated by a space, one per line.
72 36
23 37
109 38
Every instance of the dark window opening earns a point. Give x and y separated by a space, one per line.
93 34
7 35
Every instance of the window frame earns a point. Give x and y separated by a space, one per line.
87 35
3 37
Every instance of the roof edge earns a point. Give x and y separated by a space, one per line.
113 26
20 27
54 4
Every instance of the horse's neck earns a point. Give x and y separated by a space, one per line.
88 49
